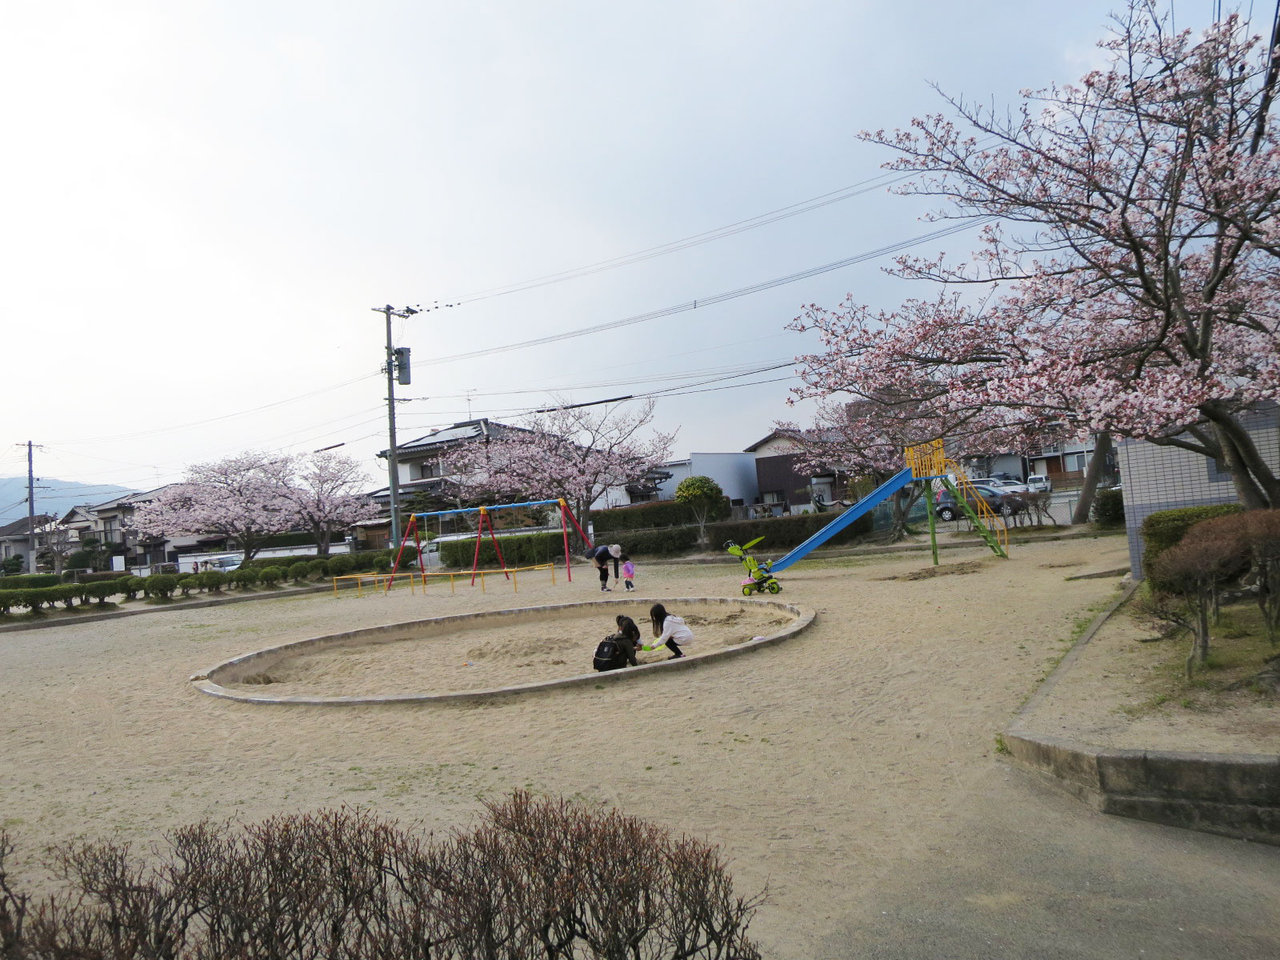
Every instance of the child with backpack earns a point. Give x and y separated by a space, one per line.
618 649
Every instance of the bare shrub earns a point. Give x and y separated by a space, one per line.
1190 575
536 879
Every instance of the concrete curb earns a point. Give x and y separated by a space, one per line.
1235 795
211 681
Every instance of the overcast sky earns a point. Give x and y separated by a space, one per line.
203 201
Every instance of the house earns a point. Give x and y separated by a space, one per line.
782 487
422 472
1164 478
15 538
112 528
734 472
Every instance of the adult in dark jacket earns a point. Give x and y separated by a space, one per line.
601 556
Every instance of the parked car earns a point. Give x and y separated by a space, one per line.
1001 502
1000 483
224 564
1039 483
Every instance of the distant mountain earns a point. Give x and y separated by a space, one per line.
52 496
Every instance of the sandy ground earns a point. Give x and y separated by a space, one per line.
487 654
842 769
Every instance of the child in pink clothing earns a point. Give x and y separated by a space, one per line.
629 574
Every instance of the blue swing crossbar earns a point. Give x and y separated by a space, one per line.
876 496
500 506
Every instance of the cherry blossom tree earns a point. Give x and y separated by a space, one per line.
1131 285
238 498
577 453
324 491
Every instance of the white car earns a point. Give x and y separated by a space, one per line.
225 564
1039 483
1005 486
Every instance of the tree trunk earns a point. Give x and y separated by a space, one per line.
1101 450
1250 493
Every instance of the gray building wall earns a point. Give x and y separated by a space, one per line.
1164 478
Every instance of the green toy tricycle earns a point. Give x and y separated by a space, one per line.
758 579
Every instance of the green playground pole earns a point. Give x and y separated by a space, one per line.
928 509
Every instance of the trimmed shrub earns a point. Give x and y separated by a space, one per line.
341 565
270 576
8 600
133 586
68 593
319 567
162 585
213 580
243 577
299 571
100 590
1108 508
1165 528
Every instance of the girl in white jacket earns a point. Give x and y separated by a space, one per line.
670 630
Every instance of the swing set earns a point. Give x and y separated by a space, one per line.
417 521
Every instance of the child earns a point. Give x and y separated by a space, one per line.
629 574
670 630
618 649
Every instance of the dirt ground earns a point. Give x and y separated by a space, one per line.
827 766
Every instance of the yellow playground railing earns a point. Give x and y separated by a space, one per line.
929 460
415 578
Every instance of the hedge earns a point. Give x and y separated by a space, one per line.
1165 528
642 516
523 550
23 580
786 531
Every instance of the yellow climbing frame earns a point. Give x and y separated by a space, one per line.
928 461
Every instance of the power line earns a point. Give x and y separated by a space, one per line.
720 297
674 246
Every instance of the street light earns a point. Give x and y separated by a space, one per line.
392 469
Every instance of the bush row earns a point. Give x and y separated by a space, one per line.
165 585
535 878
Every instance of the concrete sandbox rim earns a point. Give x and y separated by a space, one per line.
210 681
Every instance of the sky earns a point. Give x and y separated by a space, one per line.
205 203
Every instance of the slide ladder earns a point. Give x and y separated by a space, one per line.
876 496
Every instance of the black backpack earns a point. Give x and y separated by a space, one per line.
609 655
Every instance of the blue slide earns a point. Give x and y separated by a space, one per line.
878 495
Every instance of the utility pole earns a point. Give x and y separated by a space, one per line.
31 513
392 468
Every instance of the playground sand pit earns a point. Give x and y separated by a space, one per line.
853 769
489 653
